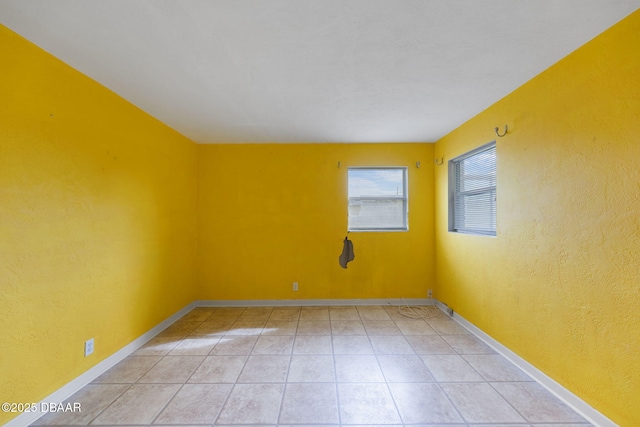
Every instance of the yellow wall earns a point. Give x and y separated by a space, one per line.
97 222
271 215
560 284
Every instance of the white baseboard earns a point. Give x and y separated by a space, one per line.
82 380
314 302
566 396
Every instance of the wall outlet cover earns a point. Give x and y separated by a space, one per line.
88 347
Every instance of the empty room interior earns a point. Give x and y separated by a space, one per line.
322 213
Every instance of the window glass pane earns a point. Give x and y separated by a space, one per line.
377 199
376 182
473 192
376 213
478 171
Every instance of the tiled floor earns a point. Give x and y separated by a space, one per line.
315 366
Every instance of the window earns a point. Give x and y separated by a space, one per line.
472 191
377 199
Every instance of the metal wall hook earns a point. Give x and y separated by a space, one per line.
506 128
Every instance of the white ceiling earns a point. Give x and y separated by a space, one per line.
312 71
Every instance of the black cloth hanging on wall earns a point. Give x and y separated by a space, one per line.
347 252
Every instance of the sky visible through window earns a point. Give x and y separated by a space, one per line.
376 182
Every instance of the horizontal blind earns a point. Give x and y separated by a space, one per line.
474 198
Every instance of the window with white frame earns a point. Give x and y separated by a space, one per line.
472 191
378 199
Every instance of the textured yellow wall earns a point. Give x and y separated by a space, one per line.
560 284
273 214
97 222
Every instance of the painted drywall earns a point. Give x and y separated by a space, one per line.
270 215
97 222
560 283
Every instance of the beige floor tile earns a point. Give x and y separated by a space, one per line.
311 368
314 425
252 404
199 314
366 403
93 399
343 313
256 313
352 345
227 313
172 369
379 425
381 327
395 369
290 314
195 404
314 327
404 368
390 344
373 313
265 369
450 368
480 403
230 345
423 403
535 403
219 369
494 367
552 425
347 327
247 327
158 346
519 425
273 345
420 313
140 404
195 346
358 369
128 370
451 425
312 344
314 313
415 327
467 344
280 327
181 328
393 312
309 403
429 344
213 327
447 327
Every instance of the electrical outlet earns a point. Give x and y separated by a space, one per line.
295 286
88 347
450 311
429 293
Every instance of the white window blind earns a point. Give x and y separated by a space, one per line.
472 191
377 199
